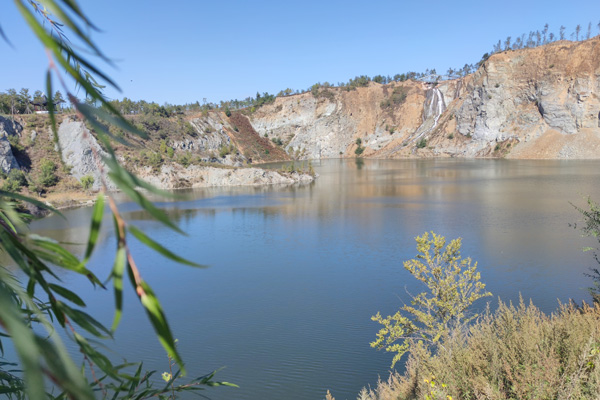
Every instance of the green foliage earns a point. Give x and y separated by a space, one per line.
151 158
516 352
397 98
163 146
225 150
590 227
170 152
359 149
87 182
277 141
15 143
453 284
421 144
451 136
48 173
185 159
15 181
227 112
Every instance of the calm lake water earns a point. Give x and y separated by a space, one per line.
296 272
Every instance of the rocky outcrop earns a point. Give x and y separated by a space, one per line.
9 127
7 158
327 125
176 177
80 151
212 137
530 93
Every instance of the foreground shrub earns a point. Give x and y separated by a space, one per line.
452 283
590 227
513 353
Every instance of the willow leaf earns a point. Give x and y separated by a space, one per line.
117 276
65 19
97 214
146 204
98 358
67 294
134 181
142 237
25 344
85 321
50 105
159 322
37 203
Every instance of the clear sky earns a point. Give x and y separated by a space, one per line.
182 51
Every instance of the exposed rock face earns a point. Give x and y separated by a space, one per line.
176 176
8 128
212 136
526 93
7 159
81 152
327 127
514 98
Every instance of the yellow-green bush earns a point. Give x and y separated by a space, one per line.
516 352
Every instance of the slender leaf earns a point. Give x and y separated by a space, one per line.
97 214
67 294
98 358
37 203
118 122
5 38
8 222
85 321
64 372
62 15
159 322
50 105
25 344
143 202
134 181
142 237
117 276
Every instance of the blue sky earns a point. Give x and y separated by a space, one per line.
182 51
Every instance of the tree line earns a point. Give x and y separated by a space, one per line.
23 102
543 37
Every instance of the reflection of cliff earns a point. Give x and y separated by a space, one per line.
351 189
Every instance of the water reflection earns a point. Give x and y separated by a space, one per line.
296 272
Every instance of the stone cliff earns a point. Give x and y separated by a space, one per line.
8 128
530 103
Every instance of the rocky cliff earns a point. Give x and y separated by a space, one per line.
8 128
530 103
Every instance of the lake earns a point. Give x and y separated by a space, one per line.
295 273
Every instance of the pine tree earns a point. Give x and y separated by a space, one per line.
589 31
